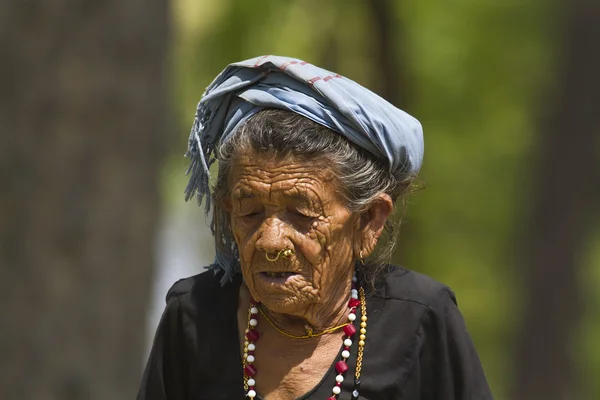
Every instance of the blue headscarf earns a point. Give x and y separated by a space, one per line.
340 104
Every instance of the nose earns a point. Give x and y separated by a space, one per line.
273 236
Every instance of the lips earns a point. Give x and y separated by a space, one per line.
278 274
276 278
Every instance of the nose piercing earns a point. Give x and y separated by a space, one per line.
285 252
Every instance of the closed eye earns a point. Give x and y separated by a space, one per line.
302 220
250 216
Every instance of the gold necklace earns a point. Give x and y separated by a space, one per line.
309 332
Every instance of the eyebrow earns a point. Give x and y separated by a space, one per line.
300 196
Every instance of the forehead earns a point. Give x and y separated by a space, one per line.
254 175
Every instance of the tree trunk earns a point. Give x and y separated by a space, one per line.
387 44
82 123
559 220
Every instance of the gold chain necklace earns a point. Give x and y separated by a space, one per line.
309 332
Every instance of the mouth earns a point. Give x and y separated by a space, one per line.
277 274
276 278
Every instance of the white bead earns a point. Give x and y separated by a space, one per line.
345 354
337 390
254 310
354 296
250 358
354 278
355 393
253 322
251 394
251 382
339 378
351 317
347 342
354 291
251 347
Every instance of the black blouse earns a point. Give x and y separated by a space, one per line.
417 346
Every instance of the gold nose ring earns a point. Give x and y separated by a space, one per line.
285 252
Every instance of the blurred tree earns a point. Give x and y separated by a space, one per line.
387 38
559 220
82 121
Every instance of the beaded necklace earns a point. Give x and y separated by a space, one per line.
252 335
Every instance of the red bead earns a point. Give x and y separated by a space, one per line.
349 330
341 367
250 352
252 335
332 398
353 303
250 370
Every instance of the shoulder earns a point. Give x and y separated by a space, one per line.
398 283
201 292
441 357
204 282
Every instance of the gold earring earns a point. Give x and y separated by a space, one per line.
362 260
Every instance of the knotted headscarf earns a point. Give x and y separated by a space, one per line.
327 98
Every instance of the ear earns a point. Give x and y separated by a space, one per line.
372 223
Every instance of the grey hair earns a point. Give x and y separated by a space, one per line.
280 134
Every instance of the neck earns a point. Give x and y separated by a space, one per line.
318 317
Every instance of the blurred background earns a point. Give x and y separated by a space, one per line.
96 100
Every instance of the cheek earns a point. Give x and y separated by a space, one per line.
316 242
338 245
332 239
319 233
335 233
243 236
245 240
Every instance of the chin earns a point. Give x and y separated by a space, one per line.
287 298
287 305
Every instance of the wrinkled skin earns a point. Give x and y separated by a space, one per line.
278 204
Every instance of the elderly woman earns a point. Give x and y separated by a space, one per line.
301 303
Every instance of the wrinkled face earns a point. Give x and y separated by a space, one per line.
294 204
